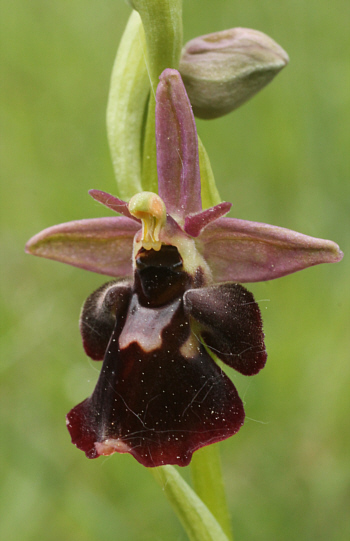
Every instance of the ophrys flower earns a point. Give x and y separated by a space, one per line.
160 395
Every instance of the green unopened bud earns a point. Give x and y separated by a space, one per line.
223 70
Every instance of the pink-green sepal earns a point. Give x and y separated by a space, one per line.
243 251
177 148
102 245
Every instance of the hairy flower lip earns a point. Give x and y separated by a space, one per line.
160 396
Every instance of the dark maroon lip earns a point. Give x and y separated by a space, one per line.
160 395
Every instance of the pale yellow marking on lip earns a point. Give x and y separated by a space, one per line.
190 348
110 446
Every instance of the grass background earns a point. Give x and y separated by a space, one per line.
283 158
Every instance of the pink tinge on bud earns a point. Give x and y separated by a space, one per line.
223 70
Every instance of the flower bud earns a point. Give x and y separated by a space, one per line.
223 70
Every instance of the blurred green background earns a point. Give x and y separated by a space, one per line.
283 158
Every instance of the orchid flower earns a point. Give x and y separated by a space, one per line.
176 302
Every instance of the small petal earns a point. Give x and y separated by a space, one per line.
195 223
102 245
242 251
177 147
113 203
230 325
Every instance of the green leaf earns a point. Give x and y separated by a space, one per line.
128 95
210 194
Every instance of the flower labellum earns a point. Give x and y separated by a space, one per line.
160 396
176 303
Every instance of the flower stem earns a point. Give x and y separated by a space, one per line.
197 520
209 484
162 23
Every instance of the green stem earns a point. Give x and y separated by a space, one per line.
162 23
197 520
209 485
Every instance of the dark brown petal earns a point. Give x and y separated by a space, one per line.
230 324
